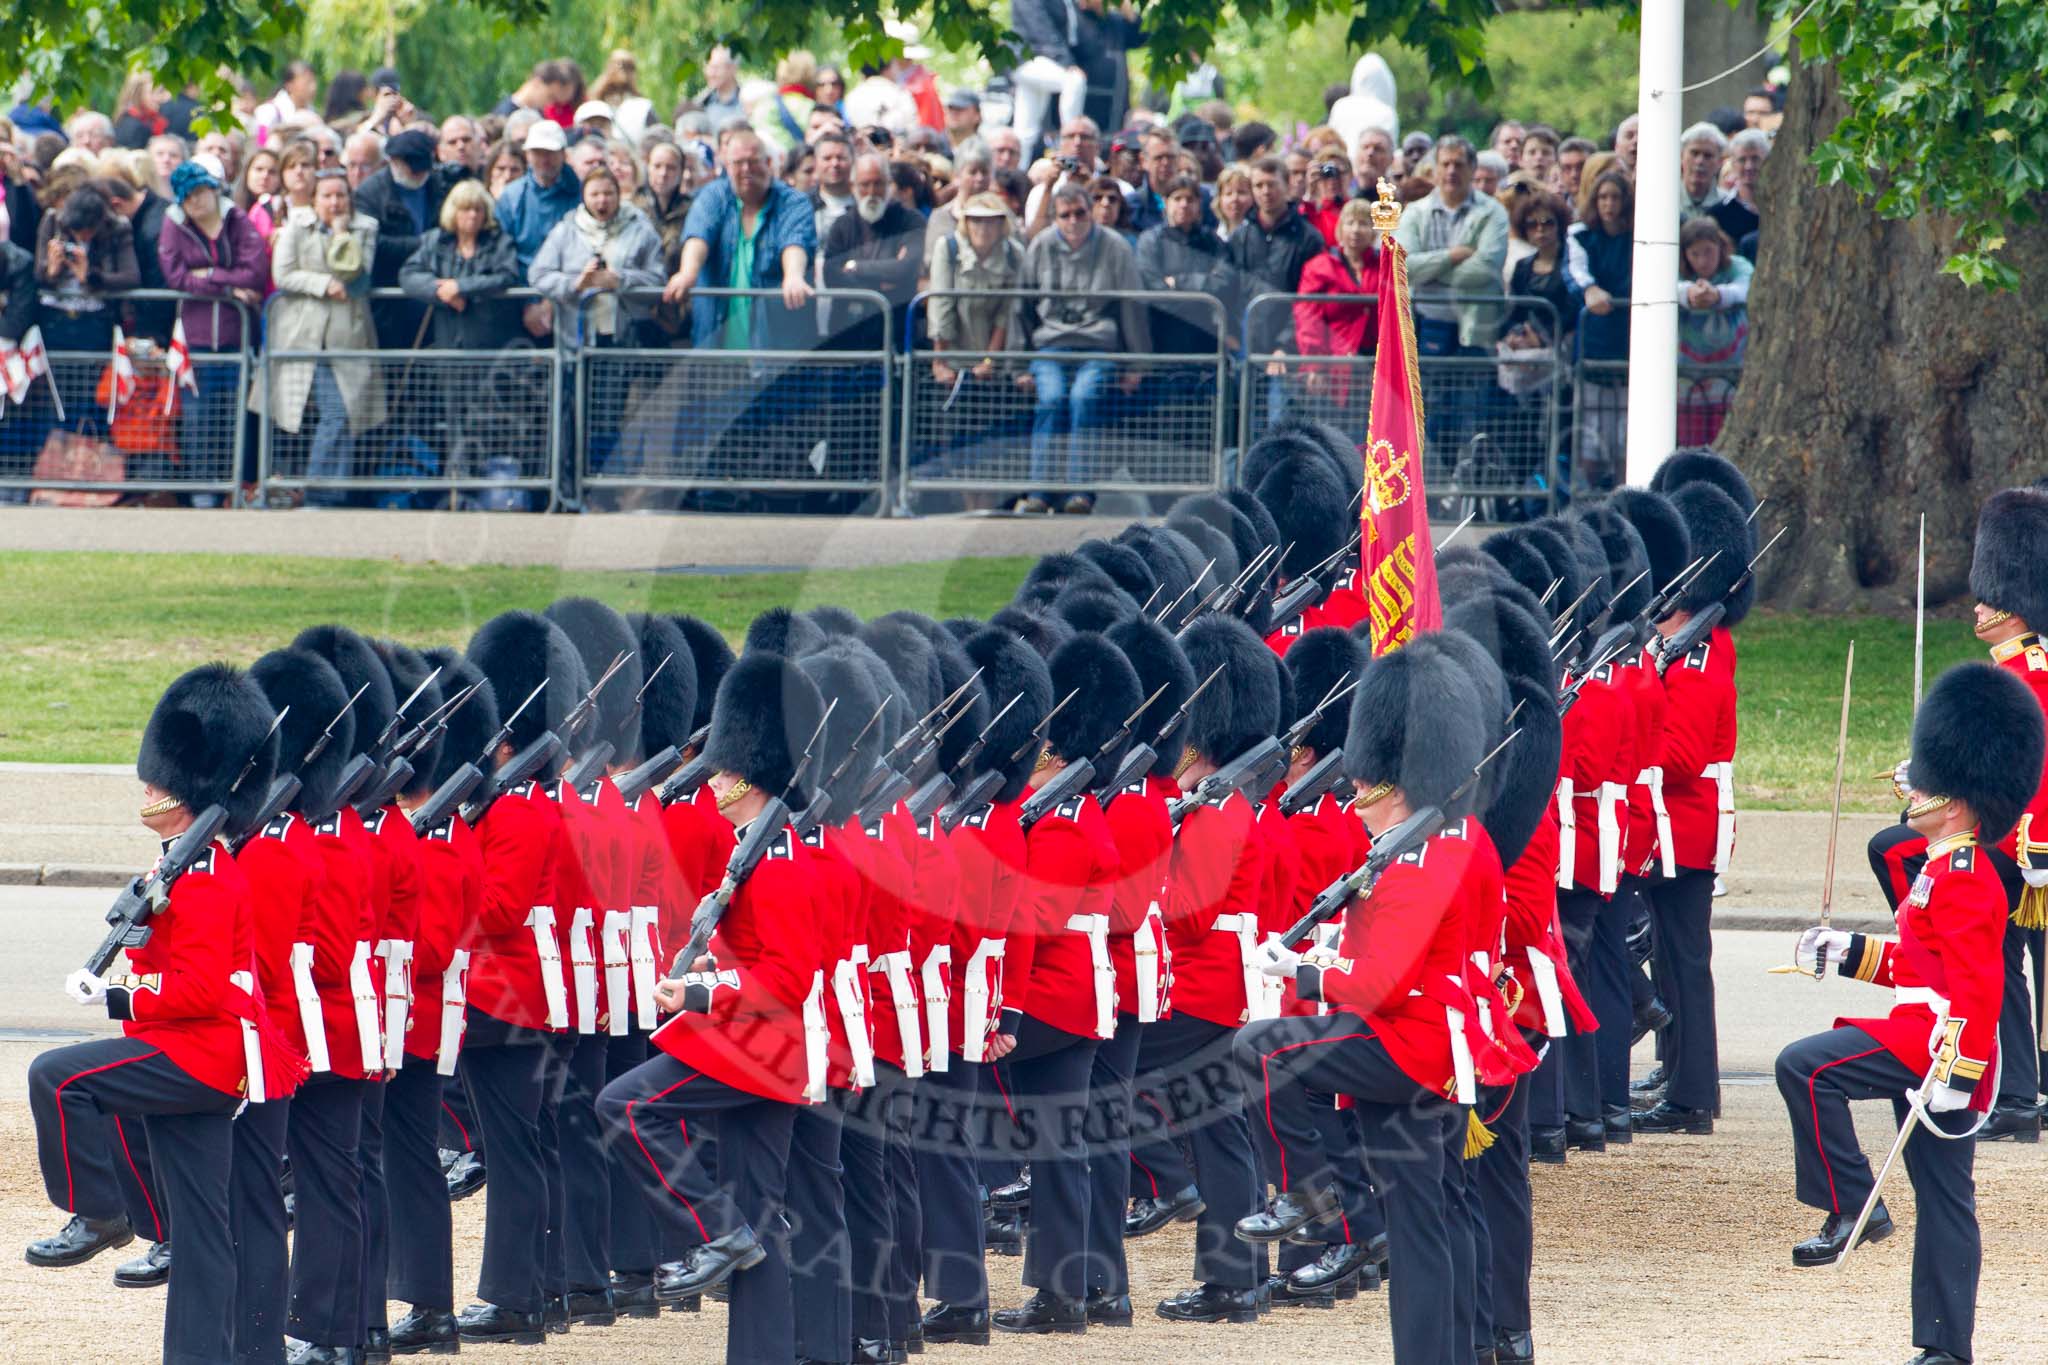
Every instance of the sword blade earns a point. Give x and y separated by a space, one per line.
1827 890
1877 1185
1920 616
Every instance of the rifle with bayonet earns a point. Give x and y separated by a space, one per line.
147 895
762 833
1139 760
515 770
1078 776
597 757
889 783
823 804
1679 644
983 785
657 765
1327 770
1304 592
351 776
389 751
692 776
1257 768
1387 847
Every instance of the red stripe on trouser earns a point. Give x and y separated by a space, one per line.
1266 1078
155 1220
1008 1107
634 1128
64 1126
1150 1178
456 1119
1813 1100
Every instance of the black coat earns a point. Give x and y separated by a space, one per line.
17 291
23 213
1192 262
398 320
488 319
1271 263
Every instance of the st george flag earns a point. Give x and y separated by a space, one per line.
1397 558
123 386
37 361
178 364
14 375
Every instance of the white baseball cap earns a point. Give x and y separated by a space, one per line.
594 109
546 136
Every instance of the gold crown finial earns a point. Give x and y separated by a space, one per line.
1386 214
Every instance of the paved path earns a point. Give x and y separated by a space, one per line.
625 541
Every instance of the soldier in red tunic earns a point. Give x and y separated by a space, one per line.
1394 1040
734 1057
189 1011
1938 1048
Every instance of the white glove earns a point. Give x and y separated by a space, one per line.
1816 943
1902 778
84 988
1276 959
1934 1037
1947 1099
2036 877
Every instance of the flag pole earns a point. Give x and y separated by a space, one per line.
1653 291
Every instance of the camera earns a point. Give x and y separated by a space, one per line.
1070 164
1329 170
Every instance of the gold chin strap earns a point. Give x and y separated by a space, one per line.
739 789
163 807
1187 760
1044 761
1927 807
1996 618
1371 796
1294 754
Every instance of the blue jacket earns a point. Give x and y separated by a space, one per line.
529 213
786 221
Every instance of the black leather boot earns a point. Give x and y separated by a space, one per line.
1826 1246
150 1270
488 1322
1547 1145
1108 1310
1672 1118
1044 1313
424 1332
1212 1303
714 1264
79 1240
1290 1211
1147 1216
633 1294
949 1323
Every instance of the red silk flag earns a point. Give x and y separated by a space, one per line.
1397 557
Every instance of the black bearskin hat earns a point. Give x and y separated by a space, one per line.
1214 551
1085 609
1663 531
517 650
1513 639
1701 464
1167 565
1056 571
2009 568
896 714
408 670
308 684
1332 443
1978 738
601 635
834 620
1528 769
1242 706
1256 605
1468 555
1105 689
1592 564
912 662
1125 567
963 628
1456 583
712 655
1485 676
470 726
766 712
1042 631
972 709
779 630
1715 524
1418 722
1217 511
1311 513
1526 553
1010 668
1627 559
671 698
1321 659
1158 660
842 675
1285 444
206 727
357 663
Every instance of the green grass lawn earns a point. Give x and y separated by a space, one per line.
88 640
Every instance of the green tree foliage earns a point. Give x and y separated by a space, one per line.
1947 114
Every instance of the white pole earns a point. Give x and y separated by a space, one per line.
1653 327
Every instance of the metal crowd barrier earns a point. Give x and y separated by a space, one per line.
681 418
194 449
1494 426
1020 421
431 427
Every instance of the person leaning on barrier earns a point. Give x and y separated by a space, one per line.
980 256
322 268
748 231
84 251
210 248
603 247
462 270
1269 250
1345 324
1181 256
879 246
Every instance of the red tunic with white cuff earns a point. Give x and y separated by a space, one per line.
1143 833
283 867
345 914
1070 867
1601 754
1218 873
1947 963
178 996
1697 754
1639 682
1330 842
841 913
1530 886
517 837
451 881
1400 961
881 855
989 846
751 1036
1498 1052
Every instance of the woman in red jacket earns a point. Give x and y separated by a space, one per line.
1343 324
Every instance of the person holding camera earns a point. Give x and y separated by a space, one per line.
1075 163
1329 180
84 251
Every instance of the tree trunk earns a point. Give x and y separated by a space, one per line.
1876 388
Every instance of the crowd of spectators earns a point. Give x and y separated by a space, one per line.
597 214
